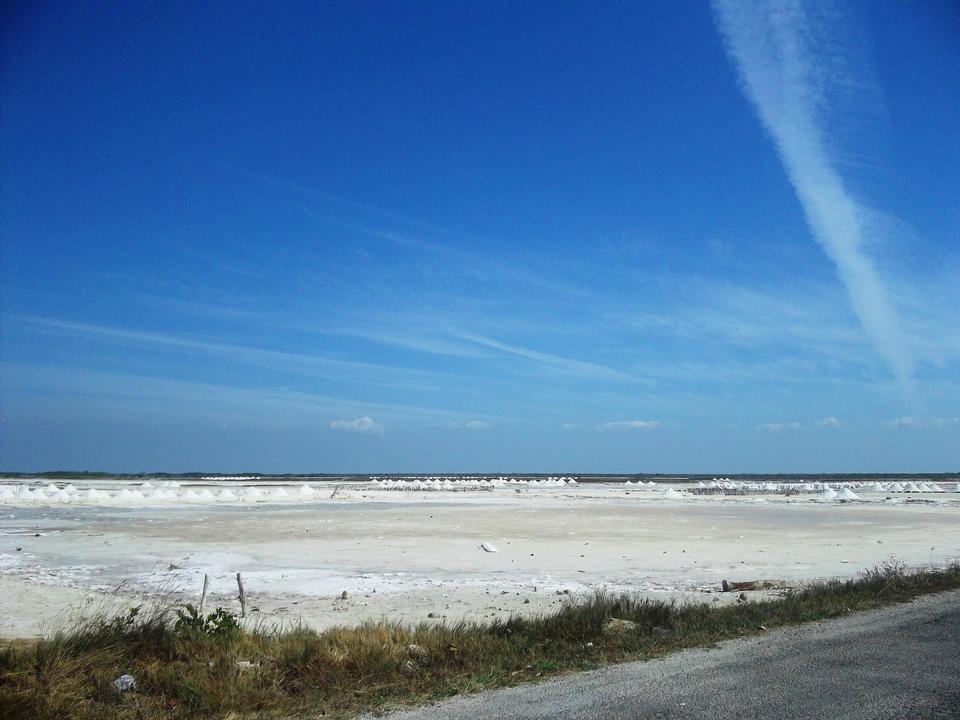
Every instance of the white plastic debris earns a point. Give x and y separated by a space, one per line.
124 683
487 547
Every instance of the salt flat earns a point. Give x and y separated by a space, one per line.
417 556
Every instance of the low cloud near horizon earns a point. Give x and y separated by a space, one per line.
909 421
777 426
630 425
469 425
365 425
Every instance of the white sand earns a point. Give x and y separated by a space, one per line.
403 555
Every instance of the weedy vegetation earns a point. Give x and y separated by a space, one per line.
190 665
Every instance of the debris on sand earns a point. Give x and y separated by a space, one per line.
487 547
727 586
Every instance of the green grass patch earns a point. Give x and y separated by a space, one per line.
189 665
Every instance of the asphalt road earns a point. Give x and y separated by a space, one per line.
900 662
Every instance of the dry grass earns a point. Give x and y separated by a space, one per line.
197 670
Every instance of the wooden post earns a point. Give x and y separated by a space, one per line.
243 597
203 595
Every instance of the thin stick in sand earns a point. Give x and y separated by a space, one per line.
203 595
243 597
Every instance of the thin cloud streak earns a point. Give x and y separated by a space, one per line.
578 367
145 393
285 361
780 66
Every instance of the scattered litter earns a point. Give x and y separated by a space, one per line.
487 547
616 626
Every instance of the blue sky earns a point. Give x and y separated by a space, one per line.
609 237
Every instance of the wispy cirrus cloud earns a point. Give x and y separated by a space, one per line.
363 426
830 422
782 51
299 363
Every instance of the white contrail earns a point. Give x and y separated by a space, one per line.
786 73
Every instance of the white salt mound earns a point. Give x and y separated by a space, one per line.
672 494
848 494
828 494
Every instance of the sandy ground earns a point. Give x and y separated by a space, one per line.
416 557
